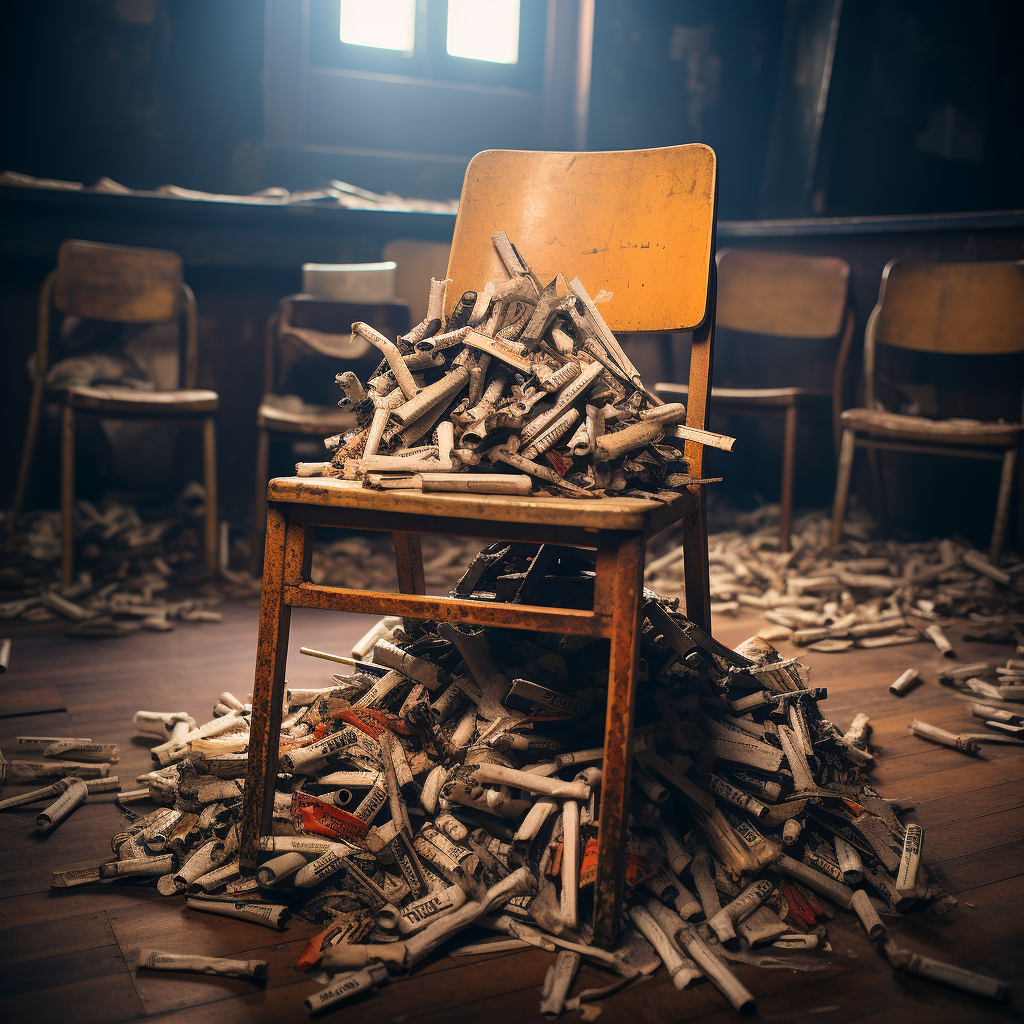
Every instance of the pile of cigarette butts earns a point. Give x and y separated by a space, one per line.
523 386
132 563
451 779
1000 710
868 593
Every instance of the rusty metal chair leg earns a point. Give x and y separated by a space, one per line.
267 691
877 488
622 588
696 571
409 562
67 495
211 533
846 450
788 466
259 502
1002 506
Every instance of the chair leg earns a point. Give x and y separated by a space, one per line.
259 503
409 562
210 482
877 488
696 571
846 449
1003 506
268 691
67 495
624 591
24 471
788 467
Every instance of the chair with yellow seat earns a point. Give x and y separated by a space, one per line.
641 226
125 285
947 309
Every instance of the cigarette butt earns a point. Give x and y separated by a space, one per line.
913 842
869 918
133 796
906 682
849 862
947 974
270 915
345 987
279 868
943 737
75 877
74 795
979 563
5 653
942 644
156 960
716 972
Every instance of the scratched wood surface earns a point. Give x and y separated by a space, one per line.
68 957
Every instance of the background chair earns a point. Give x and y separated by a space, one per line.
948 309
640 225
122 285
776 295
417 263
308 341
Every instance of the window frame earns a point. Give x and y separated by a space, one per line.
551 115
429 60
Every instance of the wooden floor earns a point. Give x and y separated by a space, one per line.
67 957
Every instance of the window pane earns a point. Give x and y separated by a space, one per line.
484 30
386 24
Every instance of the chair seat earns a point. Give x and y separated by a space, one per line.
762 397
607 513
116 401
879 423
289 415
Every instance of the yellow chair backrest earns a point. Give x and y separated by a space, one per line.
954 308
782 295
637 225
117 282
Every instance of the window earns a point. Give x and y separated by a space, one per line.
483 31
399 94
384 24
485 43
486 30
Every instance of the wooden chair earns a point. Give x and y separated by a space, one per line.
417 263
782 296
307 339
641 226
964 309
123 285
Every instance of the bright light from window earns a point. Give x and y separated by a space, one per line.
484 30
385 24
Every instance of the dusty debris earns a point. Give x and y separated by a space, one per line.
133 566
868 593
452 777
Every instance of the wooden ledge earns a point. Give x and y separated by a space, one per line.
632 514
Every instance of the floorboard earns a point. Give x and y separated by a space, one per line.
68 956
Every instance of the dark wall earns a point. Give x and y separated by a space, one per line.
666 73
928 108
147 92
921 101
